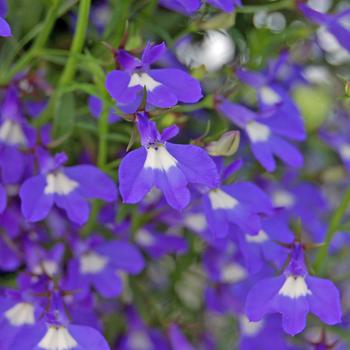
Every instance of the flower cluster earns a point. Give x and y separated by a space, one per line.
153 199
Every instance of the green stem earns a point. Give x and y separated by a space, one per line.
102 134
274 6
333 227
78 42
71 65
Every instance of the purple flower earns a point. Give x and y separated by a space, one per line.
69 188
177 338
294 294
5 29
336 24
167 166
157 244
98 264
55 335
266 134
95 107
238 204
164 87
189 7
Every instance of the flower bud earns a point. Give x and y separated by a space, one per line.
226 146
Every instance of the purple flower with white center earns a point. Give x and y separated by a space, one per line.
15 134
95 107
69 188
294 294
266 135
164 87
264 334
274 99
139 336
265 246
239 204
301 200
5 29
99 264
335 24
44 262
164 165
54 335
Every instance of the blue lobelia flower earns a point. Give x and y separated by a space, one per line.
164 165
164 87
266 134
189 7
98 264
59 336
239 204
335 24
5 29
69 188
294 294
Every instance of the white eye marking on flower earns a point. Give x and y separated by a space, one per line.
92 263
221 200
196 222
283 199
257 132
294 287
60 184
144 238
144 80
139 340
11 133
261 237
46 266
159 158
344 151
269 96
57 338
21 314
233 273
249 328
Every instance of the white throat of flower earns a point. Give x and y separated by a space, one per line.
269 96
232 273
92 263
283 198
57 338
344 150
248 328
295 287
47 266
21 314
143 79
144 237
261 237
258 132
12 134
59 183
221 200
159 158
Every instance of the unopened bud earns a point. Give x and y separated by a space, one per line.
347 88
226 146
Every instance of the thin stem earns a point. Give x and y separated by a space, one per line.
71 65
78 42
273 6
333 227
